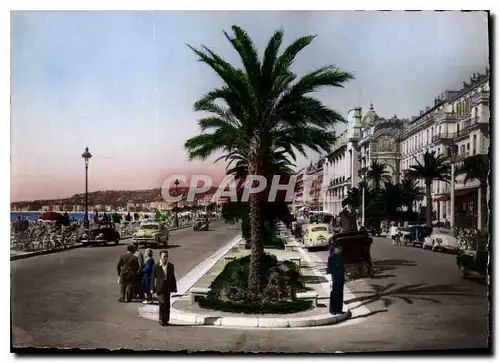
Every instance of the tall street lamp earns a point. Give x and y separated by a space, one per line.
86 156
177 182
452 151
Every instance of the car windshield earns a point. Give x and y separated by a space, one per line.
319 229
149 226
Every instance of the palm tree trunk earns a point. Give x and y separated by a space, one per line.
484 207
428 206
256 246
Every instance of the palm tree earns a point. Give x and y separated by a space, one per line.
390 199
263 102
377 174
352 199
409 192
433 168
477 167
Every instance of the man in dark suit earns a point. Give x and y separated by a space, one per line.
127 268
164 283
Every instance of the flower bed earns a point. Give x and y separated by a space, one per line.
282 280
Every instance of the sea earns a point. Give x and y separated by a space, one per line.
33 216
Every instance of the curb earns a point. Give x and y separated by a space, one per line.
151 312
43 252
24 255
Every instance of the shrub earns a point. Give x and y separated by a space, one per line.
281 281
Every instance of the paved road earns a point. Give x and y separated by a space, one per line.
416 301
69 299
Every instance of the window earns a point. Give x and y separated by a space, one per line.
439 150
462 149
439 130
468 146
427 138
474 145
432 132
458 128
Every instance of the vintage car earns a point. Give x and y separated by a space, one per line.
317 235
441 240
101 233
201 224
415 234
151 233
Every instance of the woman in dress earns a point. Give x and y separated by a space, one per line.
147 270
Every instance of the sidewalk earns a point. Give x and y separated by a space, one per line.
184 312
18 255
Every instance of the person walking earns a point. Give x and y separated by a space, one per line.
336 269
127 268
394 233
164 283
147 272
138 293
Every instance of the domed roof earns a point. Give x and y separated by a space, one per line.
370 117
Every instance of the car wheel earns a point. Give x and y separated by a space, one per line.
117 242
413 244
464 272
435 248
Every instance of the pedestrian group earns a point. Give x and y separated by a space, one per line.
139 277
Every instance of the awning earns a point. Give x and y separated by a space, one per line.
443 198
458 192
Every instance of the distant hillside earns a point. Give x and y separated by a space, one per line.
116 198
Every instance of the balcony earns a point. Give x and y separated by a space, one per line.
463 156
462 133
481 98
446 117
443 137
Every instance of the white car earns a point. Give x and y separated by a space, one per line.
441 240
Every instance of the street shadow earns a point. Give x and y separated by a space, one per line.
369 314
391 264
314 279
390 293
171 246
381 277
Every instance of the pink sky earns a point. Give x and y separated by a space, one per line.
120 179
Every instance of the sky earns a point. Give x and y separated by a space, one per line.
124 83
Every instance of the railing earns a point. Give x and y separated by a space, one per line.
446 116
479 97
442 136
461 133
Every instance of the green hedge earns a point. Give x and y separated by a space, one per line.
281 307
235 276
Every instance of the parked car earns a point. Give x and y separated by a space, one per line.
441 240
101 233
201 224
317 235
472 256
415 234
152 233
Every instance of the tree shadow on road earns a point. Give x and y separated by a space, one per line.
389 293
368 314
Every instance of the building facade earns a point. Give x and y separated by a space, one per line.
460 117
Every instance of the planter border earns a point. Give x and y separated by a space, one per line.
251 321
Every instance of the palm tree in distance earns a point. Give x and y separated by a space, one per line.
377 174
433 168
477 167
409 191
263 102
